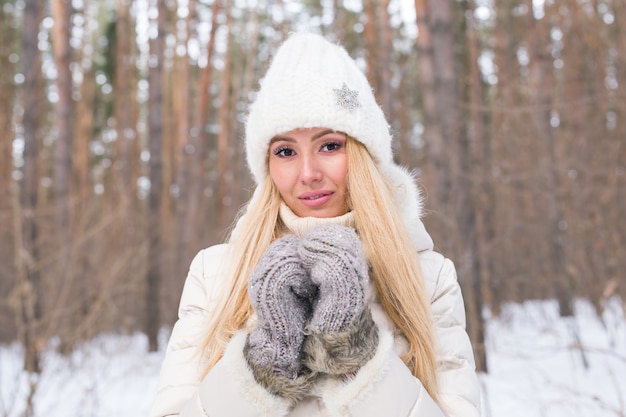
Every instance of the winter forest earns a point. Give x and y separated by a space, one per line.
121 128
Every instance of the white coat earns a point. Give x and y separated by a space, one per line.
382 387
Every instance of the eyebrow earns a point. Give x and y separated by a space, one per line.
315 136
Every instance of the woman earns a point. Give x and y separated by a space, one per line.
328 299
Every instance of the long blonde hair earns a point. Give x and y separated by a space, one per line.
394 264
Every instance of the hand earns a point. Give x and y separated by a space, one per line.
333 257
280 292
342 335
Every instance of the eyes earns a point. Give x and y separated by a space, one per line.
287 150
332 146
283 152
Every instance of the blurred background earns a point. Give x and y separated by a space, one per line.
121 129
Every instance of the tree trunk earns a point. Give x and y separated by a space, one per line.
401 109
455 150
432 136
155 137
481 194
371 35
249 74
83 135
7 94
29 280
506 213
199 138
224 199
62 14
449 153
385 62
185 147
61 11
8 247
618 148
124 100
540 83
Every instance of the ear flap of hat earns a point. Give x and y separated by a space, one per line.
409 201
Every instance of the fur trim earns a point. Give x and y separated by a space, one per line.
339 395
292 390
409 202
344 352
268 404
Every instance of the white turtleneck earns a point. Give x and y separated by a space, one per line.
299 226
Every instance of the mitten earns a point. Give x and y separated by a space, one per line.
342 335
280 292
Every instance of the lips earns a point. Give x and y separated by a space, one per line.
312 195
315 198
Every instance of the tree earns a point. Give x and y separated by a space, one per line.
61 11
196 150
125 102
27 249
7 94
62 14
185 146
478 160
8 67
155 137
224 200
448 153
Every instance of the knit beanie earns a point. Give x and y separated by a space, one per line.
312 82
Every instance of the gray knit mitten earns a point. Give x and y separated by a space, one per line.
342 335
280 292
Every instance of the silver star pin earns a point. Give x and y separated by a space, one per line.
346 98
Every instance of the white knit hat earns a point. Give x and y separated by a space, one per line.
314 83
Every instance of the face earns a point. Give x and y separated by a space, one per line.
309 168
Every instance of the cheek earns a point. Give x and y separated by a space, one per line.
340 173
281 176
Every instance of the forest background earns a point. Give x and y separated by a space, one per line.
121 128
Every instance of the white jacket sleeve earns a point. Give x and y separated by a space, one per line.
229 388
459 387
181 370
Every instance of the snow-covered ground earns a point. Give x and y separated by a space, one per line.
543 365
539 365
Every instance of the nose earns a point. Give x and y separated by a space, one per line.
310 170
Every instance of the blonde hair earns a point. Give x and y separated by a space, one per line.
394 264
256 228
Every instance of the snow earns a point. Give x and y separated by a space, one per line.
539 365
544 365
111 375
